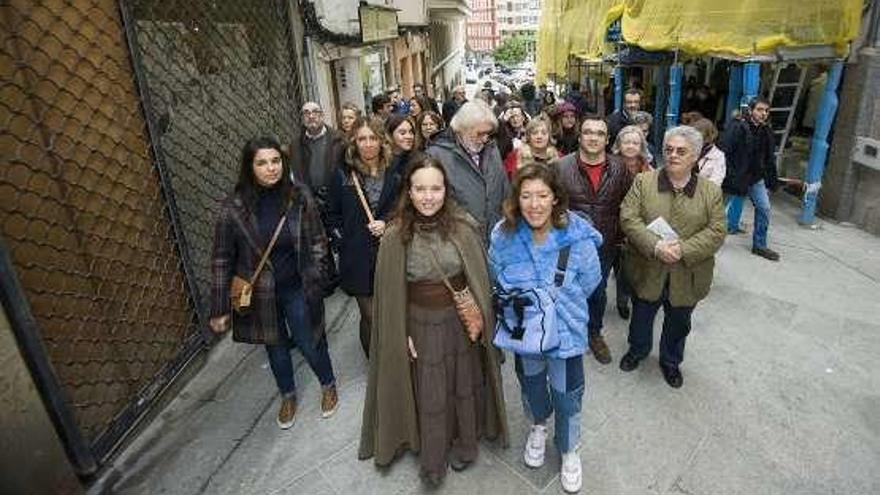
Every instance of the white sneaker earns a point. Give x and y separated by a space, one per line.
535 446
571 474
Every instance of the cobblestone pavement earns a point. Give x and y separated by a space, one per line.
781 395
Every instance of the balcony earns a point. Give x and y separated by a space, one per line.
448 8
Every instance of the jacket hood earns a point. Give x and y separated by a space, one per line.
579 229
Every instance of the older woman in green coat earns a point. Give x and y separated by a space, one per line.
674 223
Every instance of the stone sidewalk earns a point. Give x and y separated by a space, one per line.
781 395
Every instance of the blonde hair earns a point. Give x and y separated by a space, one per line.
626 131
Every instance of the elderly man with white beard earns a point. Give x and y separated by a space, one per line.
472 161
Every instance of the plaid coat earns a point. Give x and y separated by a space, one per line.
237 251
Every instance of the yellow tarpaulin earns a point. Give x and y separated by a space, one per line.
738 28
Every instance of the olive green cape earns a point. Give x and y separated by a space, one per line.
390 422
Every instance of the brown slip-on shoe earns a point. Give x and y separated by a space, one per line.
287 413
329 401
600 348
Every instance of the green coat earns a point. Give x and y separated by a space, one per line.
390 422
696 214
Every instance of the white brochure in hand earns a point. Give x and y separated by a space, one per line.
662 228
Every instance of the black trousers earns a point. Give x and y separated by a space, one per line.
676 327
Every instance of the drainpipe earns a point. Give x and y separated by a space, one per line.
618 88
734 90
676 71
820 145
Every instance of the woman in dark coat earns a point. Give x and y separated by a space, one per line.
287 305
368 164
401 134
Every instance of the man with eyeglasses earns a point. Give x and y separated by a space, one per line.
751 170
473 163
316 153
597 183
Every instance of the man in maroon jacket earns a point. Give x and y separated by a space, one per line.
597 183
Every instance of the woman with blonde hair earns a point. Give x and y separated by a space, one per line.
632 147
712 163
348 114
362 195
536 147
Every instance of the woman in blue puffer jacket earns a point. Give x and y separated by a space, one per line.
523 253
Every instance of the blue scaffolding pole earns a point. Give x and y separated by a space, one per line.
675 74
751 81
734 90
819 147
658 129
618 88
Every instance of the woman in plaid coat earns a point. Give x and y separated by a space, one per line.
287 303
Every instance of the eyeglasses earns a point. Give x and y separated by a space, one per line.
312 112
669 151
593 132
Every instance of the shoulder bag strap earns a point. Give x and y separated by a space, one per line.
266 253
439 269
561 265
360 193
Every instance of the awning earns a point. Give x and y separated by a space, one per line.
735 29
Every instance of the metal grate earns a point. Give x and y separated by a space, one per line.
122 125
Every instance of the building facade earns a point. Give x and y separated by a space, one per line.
519 18
482 27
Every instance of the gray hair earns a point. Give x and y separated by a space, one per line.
626 131
642 117
691 135
472 114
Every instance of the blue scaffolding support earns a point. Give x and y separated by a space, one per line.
658 128
819 146
751 81
676 71
618 88
734 90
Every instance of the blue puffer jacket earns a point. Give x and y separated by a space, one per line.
516 261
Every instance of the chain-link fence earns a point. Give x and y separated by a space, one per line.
107 215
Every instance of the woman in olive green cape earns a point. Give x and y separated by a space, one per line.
390 420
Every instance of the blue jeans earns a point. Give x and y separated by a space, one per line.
565 378
296 329
761 201
597 300
676 327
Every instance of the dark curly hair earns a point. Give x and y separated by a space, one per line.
547 175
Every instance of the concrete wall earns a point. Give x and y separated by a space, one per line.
32 458
851 192
341 16
411 12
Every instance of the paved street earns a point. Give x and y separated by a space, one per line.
781 395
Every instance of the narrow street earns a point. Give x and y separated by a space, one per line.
781 395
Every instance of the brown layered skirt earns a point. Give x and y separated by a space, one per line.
448 376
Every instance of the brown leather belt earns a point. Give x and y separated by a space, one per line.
434 294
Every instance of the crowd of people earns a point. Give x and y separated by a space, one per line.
425 214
